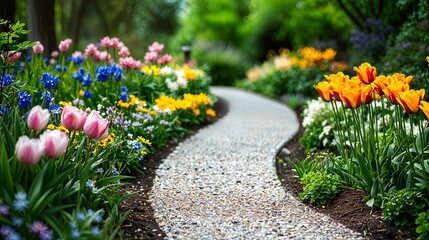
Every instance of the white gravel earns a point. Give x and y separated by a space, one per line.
222 183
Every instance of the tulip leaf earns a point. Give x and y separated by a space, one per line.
5 173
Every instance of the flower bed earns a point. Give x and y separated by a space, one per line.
74 125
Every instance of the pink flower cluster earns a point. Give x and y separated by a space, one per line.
152 56
92 50
130 63
11 56
53 143
64 45
38 48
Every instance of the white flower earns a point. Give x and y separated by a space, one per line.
166 70
182 82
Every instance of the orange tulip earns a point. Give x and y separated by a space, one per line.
351 96
410 100
366 73
324 92
380 83
392 91
367 95
401 77
424 106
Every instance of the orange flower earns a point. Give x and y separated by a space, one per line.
367 95
392 91
410 100
424 106
401 77
351 96
366 73
336 83
380 83
324 91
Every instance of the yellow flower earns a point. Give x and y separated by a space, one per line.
329 54
196 111
142 140
210 113
108 140
145 110
63 129
155 70
189 74
123 104
324 91
81 92
351 96
62 103
146 70
424 106
51 127
366 73
410 100
427 59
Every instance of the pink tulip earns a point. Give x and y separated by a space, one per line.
38 48
96 127
54 54
90 49
150 57
65 45
165 59
55 143
156 47
28 151
13 56
73 118
38 118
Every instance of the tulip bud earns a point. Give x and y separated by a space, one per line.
55 143
96 127
28 151
38 118
73 118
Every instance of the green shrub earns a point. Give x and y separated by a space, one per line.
422 223
403 206
224 63
320 187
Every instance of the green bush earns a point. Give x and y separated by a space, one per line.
320 187
403 206
224 63
422 223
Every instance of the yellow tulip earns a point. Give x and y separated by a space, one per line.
410 100
424 106
367 95
324 91
366 73
351 96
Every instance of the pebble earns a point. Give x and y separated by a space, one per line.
221 183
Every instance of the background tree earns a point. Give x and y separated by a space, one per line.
42 24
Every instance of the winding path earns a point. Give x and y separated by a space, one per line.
222 184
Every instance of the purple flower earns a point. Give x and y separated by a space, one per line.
39 229
150 128
4 210
137 124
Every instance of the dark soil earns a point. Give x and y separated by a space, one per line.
348 208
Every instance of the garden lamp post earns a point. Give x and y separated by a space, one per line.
186 49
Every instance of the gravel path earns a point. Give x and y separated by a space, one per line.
222 184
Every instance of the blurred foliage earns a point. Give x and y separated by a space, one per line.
223 62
